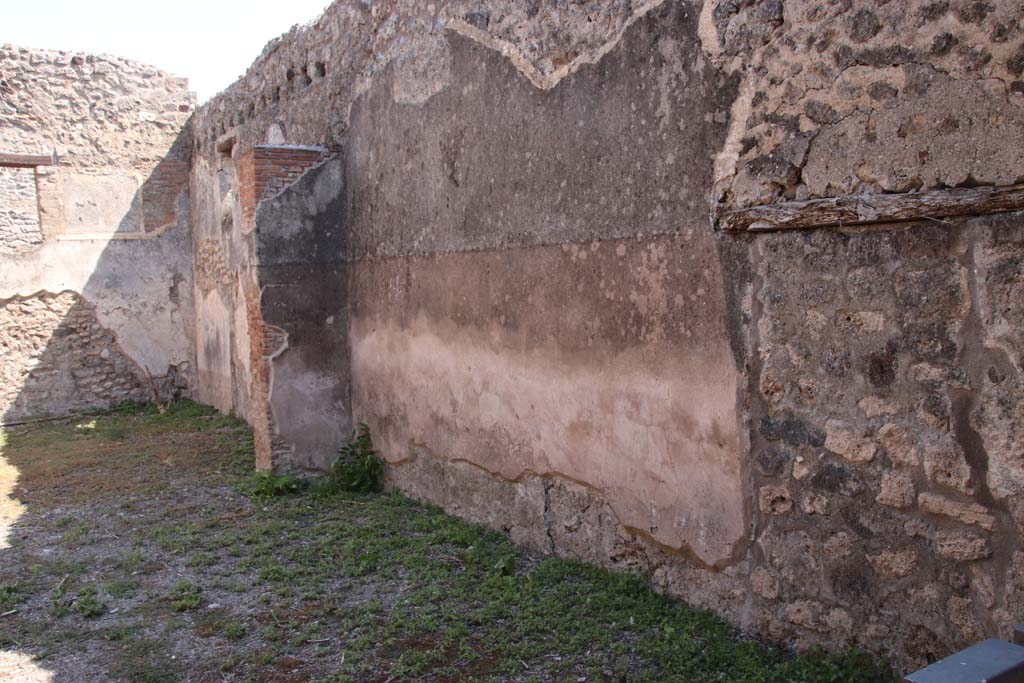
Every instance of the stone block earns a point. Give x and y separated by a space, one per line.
847 442
961 546
899 446
894 564
967 513
775 500
897 490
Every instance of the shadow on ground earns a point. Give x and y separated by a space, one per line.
139 548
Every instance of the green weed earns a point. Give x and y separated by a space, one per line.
234 630
88 604
399 589
357 468
186 596
120 588
270 485
8 594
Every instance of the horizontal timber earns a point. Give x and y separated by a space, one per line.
10 160
872 208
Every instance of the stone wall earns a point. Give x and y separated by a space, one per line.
877 445
95 252
850 97
812 433
58 357
19 216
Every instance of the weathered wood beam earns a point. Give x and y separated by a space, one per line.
10 160
872 208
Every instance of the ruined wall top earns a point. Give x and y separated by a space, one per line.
305 81
116 126
836 99
95 111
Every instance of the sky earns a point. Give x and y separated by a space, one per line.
210 42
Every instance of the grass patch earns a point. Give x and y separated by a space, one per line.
328 581
471 601
186 596
144 661
234 630
9 595
85 602
270 485
88 604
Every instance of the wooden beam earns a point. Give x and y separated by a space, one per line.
872 208
10 160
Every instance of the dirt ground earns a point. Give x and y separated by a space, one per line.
139 547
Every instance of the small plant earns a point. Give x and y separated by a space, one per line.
77 534
230 662
234 630
274 573
270 485
85 603
118 634
8 594
120 588
505 566
357 468
186 596
89 606
129 560
115 433
61 603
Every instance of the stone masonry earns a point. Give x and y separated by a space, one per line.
56 354
19 223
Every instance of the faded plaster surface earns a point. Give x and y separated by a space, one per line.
498 163
273 309
578 359
500 360
220 311
301 247
837 99
140 289
213 352
303 84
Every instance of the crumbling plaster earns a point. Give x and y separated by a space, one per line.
845 98
834 100
147 305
